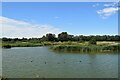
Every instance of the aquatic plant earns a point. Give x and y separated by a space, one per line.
86 48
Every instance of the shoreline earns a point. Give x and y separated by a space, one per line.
76 47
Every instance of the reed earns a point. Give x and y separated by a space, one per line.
86 48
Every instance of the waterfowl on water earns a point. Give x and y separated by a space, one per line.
45 62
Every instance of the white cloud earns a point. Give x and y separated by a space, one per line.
111 4
106 12
15 28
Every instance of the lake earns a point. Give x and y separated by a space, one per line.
40 62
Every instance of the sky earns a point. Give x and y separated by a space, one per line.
35 19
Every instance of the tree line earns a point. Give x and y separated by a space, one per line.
64 36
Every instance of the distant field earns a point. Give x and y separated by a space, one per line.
106 42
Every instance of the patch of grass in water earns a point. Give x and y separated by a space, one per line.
87 48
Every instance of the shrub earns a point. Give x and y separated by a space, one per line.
92 41
6 46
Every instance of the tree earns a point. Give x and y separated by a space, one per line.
43 38
70 37
4 39
63 36
16 39
92 41
24 39
50 37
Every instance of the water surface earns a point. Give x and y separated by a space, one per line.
40 62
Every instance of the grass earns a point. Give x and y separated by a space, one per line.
27 44
21 44
105 42
30 44
102 46
87 48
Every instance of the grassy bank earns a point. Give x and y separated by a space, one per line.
102 46
30 44
27 44
21 44
87 48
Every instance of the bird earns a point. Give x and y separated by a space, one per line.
45 62
58 63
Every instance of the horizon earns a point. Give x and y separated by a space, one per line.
25 19
55 36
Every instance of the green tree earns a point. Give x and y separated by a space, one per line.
50 37
63 36
92 41
43 39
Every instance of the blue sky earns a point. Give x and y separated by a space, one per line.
78 18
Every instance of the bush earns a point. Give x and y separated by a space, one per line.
6 46
92 41
86 48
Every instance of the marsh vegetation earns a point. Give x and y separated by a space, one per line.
86 48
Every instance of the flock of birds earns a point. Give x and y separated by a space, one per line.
37 76
57 62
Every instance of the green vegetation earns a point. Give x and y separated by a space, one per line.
92 41
21 44
86 48
63 37
6 46
66 42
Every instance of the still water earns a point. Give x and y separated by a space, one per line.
40 62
